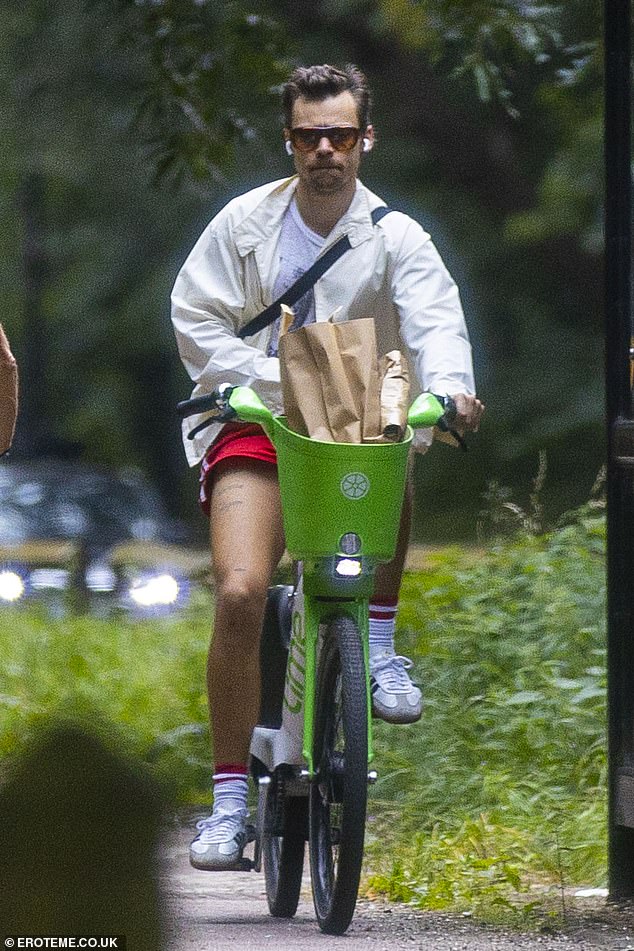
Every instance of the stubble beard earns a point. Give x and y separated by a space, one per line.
326 181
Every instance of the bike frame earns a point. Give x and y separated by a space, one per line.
356 494
313 611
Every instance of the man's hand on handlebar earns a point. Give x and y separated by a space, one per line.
468 414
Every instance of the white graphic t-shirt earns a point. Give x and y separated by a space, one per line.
299 248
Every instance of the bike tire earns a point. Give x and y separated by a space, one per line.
283 855
338 794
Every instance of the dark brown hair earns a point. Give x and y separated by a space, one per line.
319 82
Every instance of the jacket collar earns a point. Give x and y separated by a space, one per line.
266 218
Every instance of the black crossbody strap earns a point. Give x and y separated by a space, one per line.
306 281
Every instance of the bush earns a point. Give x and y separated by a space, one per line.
502 784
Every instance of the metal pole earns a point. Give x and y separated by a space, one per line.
620 524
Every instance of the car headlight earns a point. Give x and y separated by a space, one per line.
157 591
12 585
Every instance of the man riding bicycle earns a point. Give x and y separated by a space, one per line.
249 254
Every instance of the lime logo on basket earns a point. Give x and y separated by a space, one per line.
355 485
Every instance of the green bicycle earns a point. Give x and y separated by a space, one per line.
312 749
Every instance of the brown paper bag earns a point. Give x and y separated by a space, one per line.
341 404
286 319
394 396
301 388
357 345
8 393
329 374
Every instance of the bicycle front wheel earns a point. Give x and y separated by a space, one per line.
338 795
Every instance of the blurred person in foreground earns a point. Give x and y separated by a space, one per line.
249 254
8 393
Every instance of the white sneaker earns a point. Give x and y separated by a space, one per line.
221 839
394 697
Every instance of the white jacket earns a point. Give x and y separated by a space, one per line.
392 272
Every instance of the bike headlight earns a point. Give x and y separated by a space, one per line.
12 585
348 567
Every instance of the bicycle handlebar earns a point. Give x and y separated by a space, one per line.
218 403
198 404
447 418
219 400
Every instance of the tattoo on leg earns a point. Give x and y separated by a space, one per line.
228 496
231 504
228 487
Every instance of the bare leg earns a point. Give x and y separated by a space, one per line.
387 580
247 542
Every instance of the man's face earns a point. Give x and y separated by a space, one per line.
327 170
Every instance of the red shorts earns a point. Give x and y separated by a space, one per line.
246 440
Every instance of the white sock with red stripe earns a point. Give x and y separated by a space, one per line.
230 788
382 616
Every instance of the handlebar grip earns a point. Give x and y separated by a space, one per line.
447 418
217 400
450 408
198 404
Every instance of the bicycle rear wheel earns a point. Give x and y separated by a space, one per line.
338 794
283 841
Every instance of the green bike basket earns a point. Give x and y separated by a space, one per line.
333 489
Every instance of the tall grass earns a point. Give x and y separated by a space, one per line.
502 784
140 684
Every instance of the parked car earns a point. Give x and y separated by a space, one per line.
70 531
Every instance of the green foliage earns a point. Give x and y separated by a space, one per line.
496 149
206 72
144 681
83 224
476 866
502 785
488 42
197 59
572 180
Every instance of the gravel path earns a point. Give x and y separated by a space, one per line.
212 911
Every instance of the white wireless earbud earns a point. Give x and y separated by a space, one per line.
289 147
367 145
